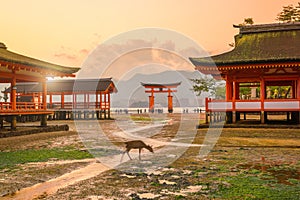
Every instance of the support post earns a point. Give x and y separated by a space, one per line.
151 104
170 104
62 100
50 101
43 120
108 109
233 117
206 110
263 114
13 124
262 117
44 95
13 97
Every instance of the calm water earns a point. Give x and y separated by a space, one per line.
158 110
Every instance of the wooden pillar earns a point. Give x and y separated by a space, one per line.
13 124
101 101
62 99
236 90
50 101
170 104
43 120
228 89
74 101
108 101
44 95
170 101
105 105
84 100
88 100
96 106
228 117
13 96
234 117
13 100
229 98
263 115
1 123
297 90
39 101
151 103
206 110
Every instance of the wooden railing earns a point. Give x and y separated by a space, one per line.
22 106
79 105
253 105
31 106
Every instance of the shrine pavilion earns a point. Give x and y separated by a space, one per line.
16 68
262 73
71 98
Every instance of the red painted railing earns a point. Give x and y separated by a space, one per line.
213 105
79 105
21 106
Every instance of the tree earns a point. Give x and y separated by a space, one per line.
248 21
206 84
289 14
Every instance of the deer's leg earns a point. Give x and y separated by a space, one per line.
140 153
122 156
128 155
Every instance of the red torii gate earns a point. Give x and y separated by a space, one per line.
160 88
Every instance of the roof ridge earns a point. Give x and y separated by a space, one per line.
244 29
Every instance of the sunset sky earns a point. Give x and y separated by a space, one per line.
66 31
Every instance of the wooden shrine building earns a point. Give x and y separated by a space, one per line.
71 98
262 72
16 68
153 88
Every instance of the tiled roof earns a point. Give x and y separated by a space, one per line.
267 43
68 85
15 58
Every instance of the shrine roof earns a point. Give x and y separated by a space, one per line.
13 58
68 85
266 43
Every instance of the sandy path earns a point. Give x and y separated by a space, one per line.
51 186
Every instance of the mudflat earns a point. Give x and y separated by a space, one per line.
244 163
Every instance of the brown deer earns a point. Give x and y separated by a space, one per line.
136 144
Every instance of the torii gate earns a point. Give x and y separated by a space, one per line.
160 88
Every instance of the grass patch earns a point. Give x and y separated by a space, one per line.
140 118
10 159
145 118
251 187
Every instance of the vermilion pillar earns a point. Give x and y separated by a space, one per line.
298 89
151 103
13 100
13 97
62 100
170 104
44 98
170 101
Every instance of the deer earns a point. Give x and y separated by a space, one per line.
136 144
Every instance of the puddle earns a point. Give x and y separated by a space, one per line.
282 173
128 176
167 182
148 196
192 189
